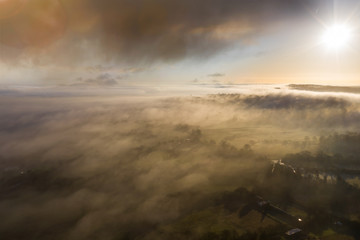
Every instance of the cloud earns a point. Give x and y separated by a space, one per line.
141 30
104 79
216 75
33 23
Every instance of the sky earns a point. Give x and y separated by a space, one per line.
179 42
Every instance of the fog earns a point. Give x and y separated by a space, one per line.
114 167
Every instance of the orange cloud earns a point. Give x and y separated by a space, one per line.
31 23
139 30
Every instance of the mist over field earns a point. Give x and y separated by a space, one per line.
117 167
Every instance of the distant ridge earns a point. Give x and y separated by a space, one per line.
325 88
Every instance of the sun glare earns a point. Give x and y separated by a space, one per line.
336 36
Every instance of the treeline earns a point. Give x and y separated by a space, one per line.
345 144
322 161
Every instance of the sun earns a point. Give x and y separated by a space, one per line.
336 37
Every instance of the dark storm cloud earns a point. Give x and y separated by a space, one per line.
144 29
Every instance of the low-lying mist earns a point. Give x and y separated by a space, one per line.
102 167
